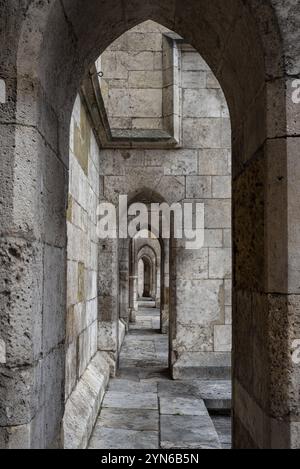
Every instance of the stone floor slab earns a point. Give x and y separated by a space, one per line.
182 406
111 438
128 419
188 432
125 400
126 385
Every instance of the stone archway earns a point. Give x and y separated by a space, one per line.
253 48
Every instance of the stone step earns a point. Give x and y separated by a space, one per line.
216 394
185 424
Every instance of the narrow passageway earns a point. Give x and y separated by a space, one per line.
144 409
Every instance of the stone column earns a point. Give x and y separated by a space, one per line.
165 287
108 297
124 281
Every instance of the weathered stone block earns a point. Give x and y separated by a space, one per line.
20 395
203 365
84 351
145 103
53 381
227 238
171 188
15 438
221 187
211 80
2 91
228 315
194 338
202 133
193 61
107 336
21 300
203 306
114 65
179 162
54 298
198 187
141 61
214 162
226 133
71 368
147 123
228 292
84 404
191 264
222 338
192 79
217 213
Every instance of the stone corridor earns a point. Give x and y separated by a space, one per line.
144 409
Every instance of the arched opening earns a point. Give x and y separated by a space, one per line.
146 95
247 45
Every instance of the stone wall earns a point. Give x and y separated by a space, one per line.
98 271
202 304
82 301
133 79
87 370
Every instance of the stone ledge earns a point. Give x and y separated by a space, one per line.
83 406
202 365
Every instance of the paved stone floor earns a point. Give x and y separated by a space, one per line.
144 409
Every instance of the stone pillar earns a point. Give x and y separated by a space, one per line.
108 297
33 287
132 283
124 281
266 288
